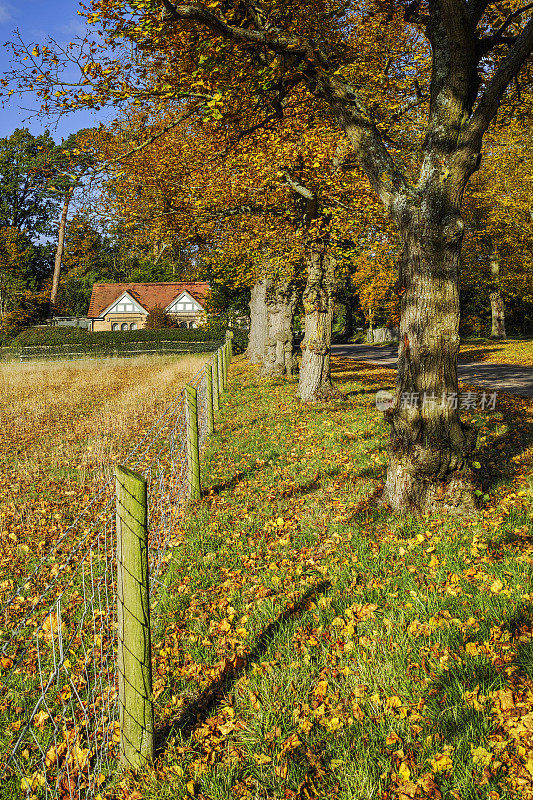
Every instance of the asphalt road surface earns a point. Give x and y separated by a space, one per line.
498 377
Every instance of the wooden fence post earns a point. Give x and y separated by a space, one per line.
220 373
193 449
229 343
209 399
136 712
216 384
225 367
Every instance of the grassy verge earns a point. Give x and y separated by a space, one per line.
512 351
314 645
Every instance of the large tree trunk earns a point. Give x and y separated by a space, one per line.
497 306
59 249
278 356
258 323
429 447
318 301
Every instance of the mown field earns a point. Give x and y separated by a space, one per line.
63 426
318 645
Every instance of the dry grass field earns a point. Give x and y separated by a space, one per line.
63 425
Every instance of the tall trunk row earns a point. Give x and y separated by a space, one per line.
271 340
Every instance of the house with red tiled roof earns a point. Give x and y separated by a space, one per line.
125 306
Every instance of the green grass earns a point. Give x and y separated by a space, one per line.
312 644
511 351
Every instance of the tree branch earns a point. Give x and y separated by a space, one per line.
151 139
299 188
274 38
354 119
489 102
476 9
498 37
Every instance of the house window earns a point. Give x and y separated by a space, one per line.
133 326
114 326
124 326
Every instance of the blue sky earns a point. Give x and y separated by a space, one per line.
37 19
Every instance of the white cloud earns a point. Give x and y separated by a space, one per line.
5 13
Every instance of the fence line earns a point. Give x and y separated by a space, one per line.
59 714
126 349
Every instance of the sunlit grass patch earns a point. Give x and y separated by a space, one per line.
511 351
317 645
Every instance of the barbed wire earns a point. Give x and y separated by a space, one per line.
59 731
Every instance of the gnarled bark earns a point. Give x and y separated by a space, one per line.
278 356
497 306
429 446
318 301
258 322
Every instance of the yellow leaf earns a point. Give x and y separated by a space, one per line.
404 772
441 763
480 756
392 738
262 758
39 719
497 586
393 702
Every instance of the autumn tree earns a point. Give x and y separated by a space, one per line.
497 260
255 207
477 50
252 57
177 194
70 163
16 257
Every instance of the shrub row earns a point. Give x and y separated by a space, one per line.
55 340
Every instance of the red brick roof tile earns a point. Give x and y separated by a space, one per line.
149 295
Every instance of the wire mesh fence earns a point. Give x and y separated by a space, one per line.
59 731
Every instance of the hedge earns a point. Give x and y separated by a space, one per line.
52 341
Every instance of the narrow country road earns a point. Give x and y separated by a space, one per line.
497 377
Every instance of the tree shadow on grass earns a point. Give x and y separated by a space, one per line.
478 351
211 698
515 534
231 483
457 699
302 489
497 454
